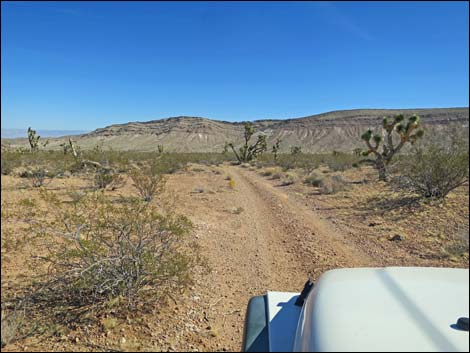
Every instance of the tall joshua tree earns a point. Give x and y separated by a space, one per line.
248 152
33 139
384 148
276 148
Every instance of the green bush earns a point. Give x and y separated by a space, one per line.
340 162
434 169
148 181
107 177
127 253
7 166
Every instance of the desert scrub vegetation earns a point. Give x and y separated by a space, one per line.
332 184
312 161
148 180
434 168
15 326
326 184
36 176
339 162
105 177
289 178
313 180
103 254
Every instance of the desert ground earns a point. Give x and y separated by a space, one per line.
256 233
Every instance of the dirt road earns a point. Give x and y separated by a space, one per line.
256 237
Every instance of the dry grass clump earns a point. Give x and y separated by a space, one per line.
313 180
267 172
327 184
289 178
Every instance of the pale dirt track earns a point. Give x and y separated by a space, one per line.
273 244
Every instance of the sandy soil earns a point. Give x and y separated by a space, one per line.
256 236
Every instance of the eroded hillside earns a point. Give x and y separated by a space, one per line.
338 130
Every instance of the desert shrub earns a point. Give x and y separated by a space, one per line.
36 176
267 172
197 170
339 162
332 185
15 326
126 253
435 168
148 181
289 178
6 166
313 180
105 177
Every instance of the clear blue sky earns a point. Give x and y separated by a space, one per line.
83 65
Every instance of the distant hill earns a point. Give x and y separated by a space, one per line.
337 130
14 133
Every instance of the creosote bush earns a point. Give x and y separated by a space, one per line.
434 169
36 176
107 177
148 181
111 252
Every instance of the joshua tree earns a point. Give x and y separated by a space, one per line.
34 140
70 147
248 152
225 150
295 150
276 148
406 131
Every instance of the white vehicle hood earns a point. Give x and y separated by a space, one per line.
386 309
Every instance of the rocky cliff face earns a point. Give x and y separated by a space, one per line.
338 130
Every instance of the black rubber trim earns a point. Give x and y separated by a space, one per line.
308 286
255 335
